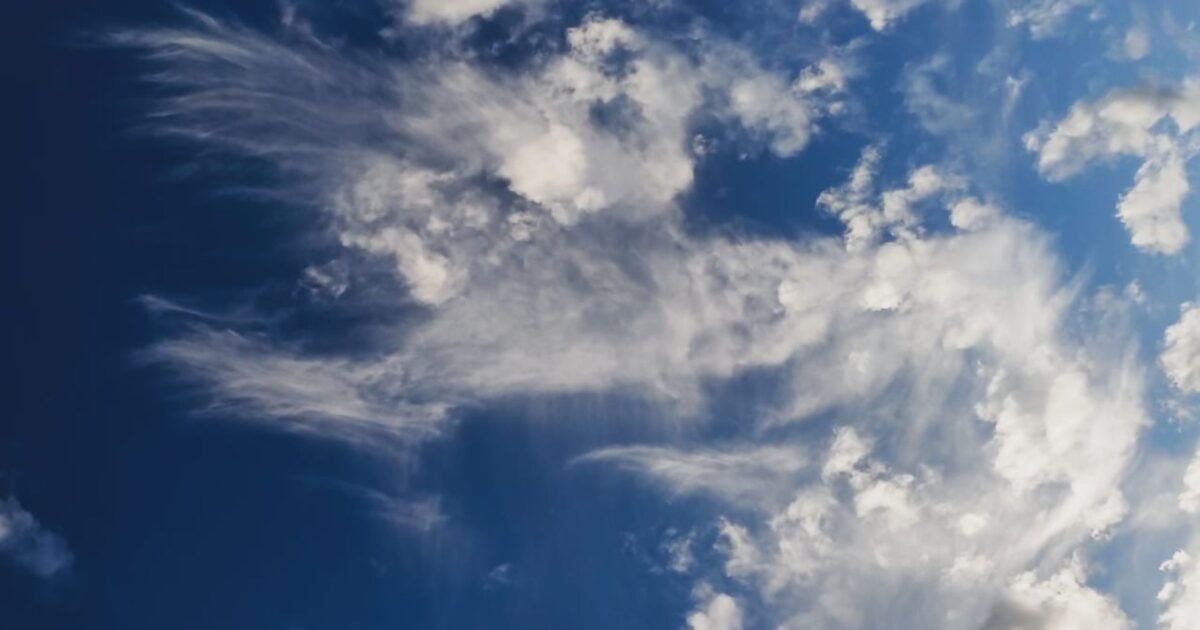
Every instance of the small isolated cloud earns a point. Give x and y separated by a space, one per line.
25 543
501 576
1131 122
1136 43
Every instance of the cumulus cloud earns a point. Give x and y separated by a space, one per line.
717 611
1180 357
1180 594
1019 421
27 544
1059 601
1131 122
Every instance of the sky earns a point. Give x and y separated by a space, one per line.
372 314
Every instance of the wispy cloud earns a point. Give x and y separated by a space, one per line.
29 545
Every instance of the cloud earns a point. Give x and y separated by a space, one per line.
24 542
531 215
883 13
1025 432
1151 209
730 474
331 397
1059 601
1180 357
451 11
1129 123
717 611
1180 594
1136 43
937 113
1043 18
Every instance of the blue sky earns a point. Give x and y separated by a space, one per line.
543 313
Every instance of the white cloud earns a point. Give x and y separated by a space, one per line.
1180 596
1025 431
329 397
1189 496
1130 123
883 13
27 544
1043 18
1136 44
1061 601
450 12
1180 357
1151 209
730 474
717 611
523 297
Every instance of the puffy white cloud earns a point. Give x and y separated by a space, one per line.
970 214
1025 434
26 543
1151 209
1180 357
1180 596
868 214
717 611
1123 122
1061 600
1131 123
